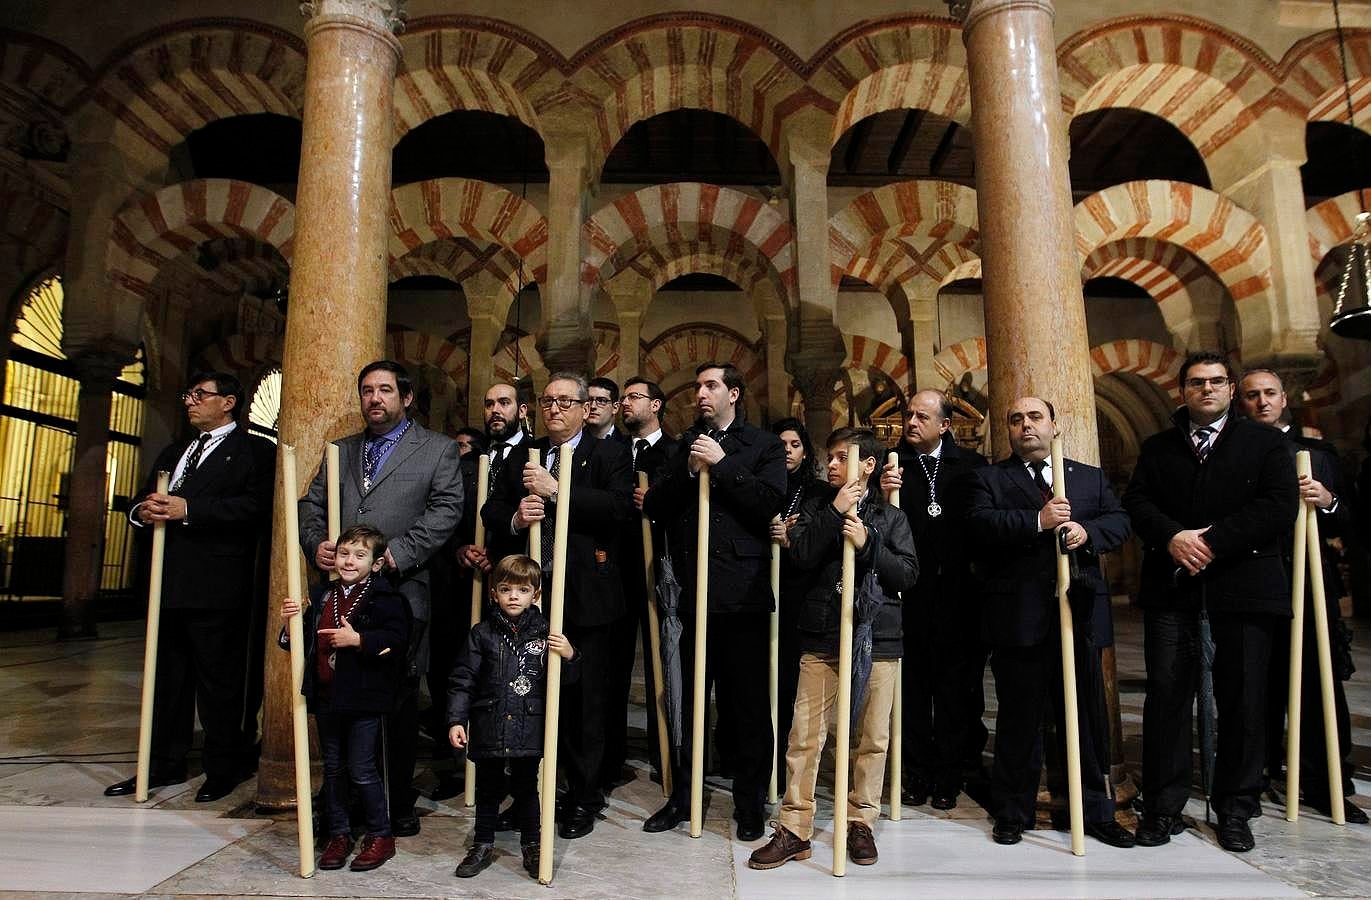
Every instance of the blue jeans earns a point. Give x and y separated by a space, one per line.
349 745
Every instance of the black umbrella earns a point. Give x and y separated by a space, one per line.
669 613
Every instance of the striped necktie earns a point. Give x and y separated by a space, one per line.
193 461
1202 437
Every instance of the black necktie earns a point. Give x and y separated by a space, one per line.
550 514
638 447
1038 478
1202 444
192 461
497 462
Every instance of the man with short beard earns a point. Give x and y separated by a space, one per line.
746 469
504 431
1262 398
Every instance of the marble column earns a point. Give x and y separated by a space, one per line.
631 295
87 494
488 308
565 338
1287 338
777 378
336 318
816 354
1035 330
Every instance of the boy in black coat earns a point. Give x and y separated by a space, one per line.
499 689
356 632
881 536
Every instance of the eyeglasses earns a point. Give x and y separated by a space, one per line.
198 395
636 396
1197 384
562 402
599 401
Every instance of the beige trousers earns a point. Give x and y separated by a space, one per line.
816 702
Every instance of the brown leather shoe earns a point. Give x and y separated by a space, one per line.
861 844
375 851
336 852
781 849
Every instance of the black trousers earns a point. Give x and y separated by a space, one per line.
1028 682
787 683
1242 652
498 778
623 653
451 622
1313 759
737 654
944 696
202 658
585 705
402 749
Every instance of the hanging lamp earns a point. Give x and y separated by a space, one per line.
1352 311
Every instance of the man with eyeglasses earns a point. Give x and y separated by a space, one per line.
601 507
640 409
218 514
1212 499
746 469
602 408
406 481
1262 398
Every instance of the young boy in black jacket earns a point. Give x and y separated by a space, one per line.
356 632
880 533
499 689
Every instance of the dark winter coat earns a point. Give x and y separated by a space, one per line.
501 722
366 679
816 548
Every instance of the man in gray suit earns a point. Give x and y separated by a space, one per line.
405 480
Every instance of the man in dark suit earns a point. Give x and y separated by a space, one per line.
1015 525
404 480
603 409
218 511
1262 398
640 409
746 470
1213 499
944 659
601 506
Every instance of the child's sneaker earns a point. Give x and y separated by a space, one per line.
477 858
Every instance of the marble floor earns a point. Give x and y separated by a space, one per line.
70 727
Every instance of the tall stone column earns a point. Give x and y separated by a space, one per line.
777 378
336 320
87 493
565 338
631 294
816 355
1035 332
488 307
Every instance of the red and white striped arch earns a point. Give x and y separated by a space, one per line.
910 62
151 230
37 231
964 356
869 353
416 348
182 78
1332 221
1312 75
902 231
246 355
42 69
460 259
1166 271
1225 237
453 62
605 336
1208 82
1149 360
516 359
442 209
662 264
679 60
684 211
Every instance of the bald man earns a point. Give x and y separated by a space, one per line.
1014 525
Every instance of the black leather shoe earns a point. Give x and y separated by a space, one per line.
666 818
477 859
1155 830
216 789
915 793
448 786
579 822
1111 833
1353 813
404 826
1007 832
751 829
943 801
1234 835
155 780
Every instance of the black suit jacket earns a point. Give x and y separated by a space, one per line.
651 460
940 542
1245 490
747 488
601 507
210 560
1017 564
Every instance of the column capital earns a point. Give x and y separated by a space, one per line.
102 365
973 12
384 15
630 292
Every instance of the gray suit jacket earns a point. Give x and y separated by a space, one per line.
416 501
